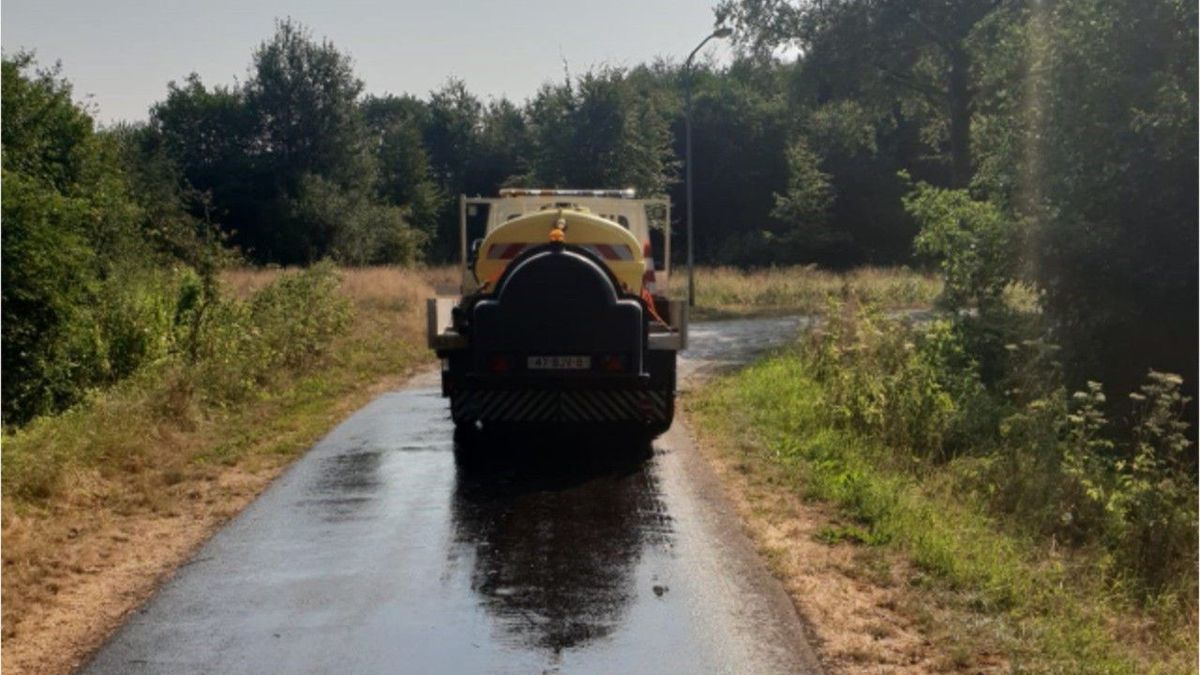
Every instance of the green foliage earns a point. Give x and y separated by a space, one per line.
87 283
911 55
1073 124
1049 462
740 121
472 149
1045 609
260 157
352 228
45 133
49 351
1089 120
975 247
1156 490
284 329
106 275
606 129
891 383
451 134
973 243
405 175
804 207
243 350
304 97
1070 477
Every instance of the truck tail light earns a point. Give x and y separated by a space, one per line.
613 363
498 363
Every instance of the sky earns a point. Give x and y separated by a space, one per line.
120 54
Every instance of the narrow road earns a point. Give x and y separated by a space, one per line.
390 549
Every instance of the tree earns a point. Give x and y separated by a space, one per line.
740 121
84 297
405 175
916 50
209 135
805 205
603 130
260 154
451 138
504 142
304 96
452 134
1090 135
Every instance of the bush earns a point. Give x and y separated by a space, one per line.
286 327
215 351
349 225
89 278
1048 460
1156 490
883 379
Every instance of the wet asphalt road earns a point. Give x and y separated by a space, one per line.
390 548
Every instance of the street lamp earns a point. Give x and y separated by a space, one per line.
722 32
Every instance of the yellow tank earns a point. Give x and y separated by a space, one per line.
610 242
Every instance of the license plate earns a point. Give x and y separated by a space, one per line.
559 362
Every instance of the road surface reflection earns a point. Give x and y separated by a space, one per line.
557 536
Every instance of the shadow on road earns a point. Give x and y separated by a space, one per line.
557 526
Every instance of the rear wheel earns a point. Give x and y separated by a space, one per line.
660 427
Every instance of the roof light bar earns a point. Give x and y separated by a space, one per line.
627 193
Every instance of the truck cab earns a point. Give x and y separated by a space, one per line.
563 316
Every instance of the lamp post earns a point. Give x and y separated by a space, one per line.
722 32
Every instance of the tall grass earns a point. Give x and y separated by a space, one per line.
729 291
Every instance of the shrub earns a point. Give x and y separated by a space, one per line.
285 327
1048 460
243 348
882 378
1156 490
971 240
89 273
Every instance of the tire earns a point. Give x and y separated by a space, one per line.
659 428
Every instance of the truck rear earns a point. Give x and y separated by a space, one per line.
563 317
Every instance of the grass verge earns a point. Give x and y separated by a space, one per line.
102 500
1042 609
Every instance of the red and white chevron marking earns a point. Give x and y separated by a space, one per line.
614 252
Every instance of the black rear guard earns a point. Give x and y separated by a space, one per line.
556 300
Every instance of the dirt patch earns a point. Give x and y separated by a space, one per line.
865 606
72 573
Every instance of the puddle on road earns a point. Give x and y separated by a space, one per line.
556 541
716 346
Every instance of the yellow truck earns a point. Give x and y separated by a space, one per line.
563 316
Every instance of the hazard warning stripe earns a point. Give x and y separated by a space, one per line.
609 251
573 411
505 251
602 251
569 406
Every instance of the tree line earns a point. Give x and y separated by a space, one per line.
1071 123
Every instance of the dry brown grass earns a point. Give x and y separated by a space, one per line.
144 472
378 286
728 291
